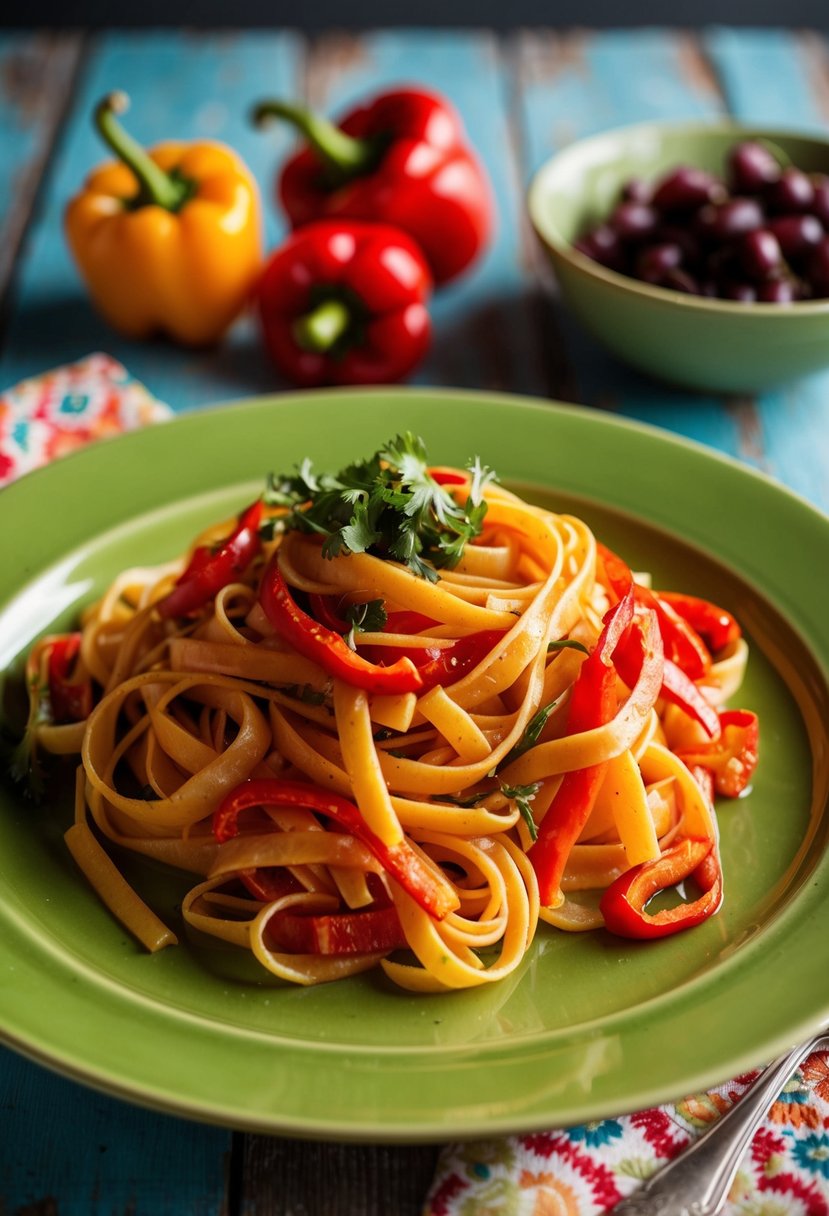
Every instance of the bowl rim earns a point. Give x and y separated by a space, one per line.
549 235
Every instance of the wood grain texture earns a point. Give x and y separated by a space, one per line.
289 1178
36 76
68 1150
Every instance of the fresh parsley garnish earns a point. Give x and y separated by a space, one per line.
389 506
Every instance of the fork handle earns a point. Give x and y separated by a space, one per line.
696 1183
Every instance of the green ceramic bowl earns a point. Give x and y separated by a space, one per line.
688 340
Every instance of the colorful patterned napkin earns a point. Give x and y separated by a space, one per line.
585 1171
54 413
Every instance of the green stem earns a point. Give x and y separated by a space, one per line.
154 185
344 155
320 329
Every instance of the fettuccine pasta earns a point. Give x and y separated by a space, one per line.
369 757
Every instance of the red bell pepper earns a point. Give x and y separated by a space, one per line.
375 930
732 758
344 302
69 700
715 626
209 570
399 860
593 703
683 645
623 904
685 652
402 159
443 664
327 648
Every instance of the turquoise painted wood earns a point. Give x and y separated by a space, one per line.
186 86
577 85
482 331
35 79
521 98
91 1155
768 78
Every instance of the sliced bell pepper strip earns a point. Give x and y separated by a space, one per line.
370 931
327 648
623 904
683 645
69 700
732 758
717 627
444 664
680 690
399 860
209 570
593 702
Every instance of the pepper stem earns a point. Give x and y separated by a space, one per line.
154 185
344 155
319 330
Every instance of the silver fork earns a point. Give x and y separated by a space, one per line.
696 1183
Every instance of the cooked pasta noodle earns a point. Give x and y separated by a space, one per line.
333 822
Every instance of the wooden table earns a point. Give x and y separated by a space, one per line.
63 1148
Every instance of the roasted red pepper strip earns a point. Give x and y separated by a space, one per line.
623 903
399 860
401 158
593 702
344 302
70 700
369 931
683 645
210 570
732 759
327 648
717 627
444 664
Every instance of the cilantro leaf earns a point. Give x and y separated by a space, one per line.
389 506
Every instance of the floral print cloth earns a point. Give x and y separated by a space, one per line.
54 413
587 1170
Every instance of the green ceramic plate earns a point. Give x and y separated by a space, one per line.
590 1026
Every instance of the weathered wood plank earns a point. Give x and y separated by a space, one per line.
36 74
68 1150
781 79
282 1177
484 336
573 85
182 86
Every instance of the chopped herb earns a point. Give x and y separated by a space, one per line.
460 800
389 506
365 618
383 734
522 796
567 644
531 734
304 693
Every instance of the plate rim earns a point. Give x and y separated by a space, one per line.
418 1130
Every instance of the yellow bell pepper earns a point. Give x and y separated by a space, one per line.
167 240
